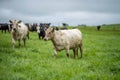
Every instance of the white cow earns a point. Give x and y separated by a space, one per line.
65 39
38 29
19 32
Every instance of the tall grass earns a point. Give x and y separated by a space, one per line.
101 58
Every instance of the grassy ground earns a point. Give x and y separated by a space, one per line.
101 58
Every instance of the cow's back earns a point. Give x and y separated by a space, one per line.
71 38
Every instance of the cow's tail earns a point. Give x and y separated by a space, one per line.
81 48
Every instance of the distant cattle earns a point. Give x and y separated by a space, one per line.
41 29
65 39
58 28
98 28
34 27
65 24
5 27
63 28
19 32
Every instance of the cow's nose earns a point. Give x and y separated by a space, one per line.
14 29
44 39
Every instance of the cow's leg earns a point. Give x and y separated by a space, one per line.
42 37
24 40
67 51
39 35
55 53
13 42
8 31
74 52
19 42
9 28
28 35
81 50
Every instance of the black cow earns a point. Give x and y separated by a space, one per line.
65 24
5 27
34 27
41 29
98 28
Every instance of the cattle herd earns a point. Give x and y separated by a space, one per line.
62 39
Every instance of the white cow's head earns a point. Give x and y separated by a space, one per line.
49 34
15 24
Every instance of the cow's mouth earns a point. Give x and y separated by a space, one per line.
45 39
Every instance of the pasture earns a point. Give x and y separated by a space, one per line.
101 58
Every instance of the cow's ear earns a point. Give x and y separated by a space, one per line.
10 21
53 29
19 21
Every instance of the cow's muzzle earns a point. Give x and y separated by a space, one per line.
45 39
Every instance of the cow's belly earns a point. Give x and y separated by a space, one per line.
59 48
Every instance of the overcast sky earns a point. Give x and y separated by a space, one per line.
73 12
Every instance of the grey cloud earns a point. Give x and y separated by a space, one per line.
57 11
50 6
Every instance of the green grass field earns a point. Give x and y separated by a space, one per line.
101 58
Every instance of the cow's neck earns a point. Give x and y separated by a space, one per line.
16 33
55 39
